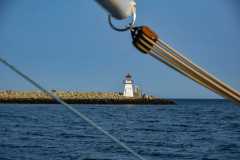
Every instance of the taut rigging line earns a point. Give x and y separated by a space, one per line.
72 109
145 40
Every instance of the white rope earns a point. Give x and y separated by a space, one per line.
73 110
196 67
175 60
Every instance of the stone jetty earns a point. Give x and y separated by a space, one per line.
37 97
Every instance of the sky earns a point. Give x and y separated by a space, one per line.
68 45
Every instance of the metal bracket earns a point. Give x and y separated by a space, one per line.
126 27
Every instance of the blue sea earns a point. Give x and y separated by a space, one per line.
192 129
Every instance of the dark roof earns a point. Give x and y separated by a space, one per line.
128 76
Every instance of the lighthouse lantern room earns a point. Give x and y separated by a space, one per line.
128 86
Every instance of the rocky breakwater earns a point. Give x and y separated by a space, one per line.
37 97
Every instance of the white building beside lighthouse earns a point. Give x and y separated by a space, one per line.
128 86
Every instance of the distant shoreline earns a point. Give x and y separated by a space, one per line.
36 97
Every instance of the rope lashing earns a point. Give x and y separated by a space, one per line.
147 41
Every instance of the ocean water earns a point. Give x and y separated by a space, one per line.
193 129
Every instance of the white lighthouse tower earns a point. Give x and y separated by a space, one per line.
128 86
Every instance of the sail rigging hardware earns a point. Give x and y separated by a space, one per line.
140 36
126 27
120 10
147 41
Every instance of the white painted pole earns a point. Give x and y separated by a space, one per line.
119 9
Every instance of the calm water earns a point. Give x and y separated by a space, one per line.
193 129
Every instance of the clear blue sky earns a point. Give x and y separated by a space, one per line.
68 45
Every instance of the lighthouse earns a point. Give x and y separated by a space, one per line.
128 86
